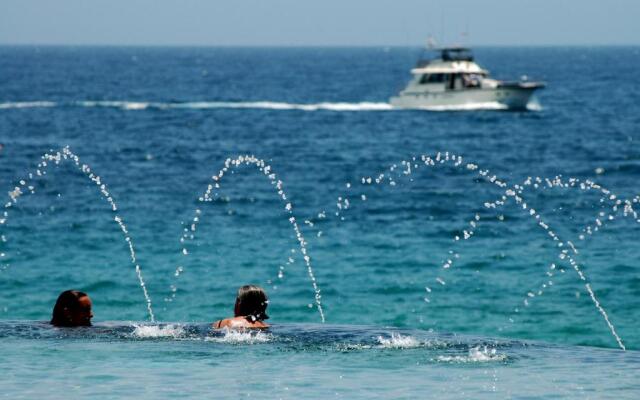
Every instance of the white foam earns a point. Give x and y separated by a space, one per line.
476 354
397 341
267 105
153 331
272 105
135 105
491 105
125 105
28 104
534 105
232 336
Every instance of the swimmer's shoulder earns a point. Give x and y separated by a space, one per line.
223 323
239 323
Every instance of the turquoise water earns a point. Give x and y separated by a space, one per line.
293 360
403 237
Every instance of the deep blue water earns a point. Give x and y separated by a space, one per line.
156 123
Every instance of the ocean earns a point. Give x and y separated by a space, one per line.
450 253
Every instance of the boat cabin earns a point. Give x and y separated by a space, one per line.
452 81
454 69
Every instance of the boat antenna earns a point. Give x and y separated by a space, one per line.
442 26
431 42
464 35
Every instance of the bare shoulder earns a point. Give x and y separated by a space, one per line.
259 325
223 323
239 323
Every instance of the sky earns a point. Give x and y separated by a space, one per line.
320 23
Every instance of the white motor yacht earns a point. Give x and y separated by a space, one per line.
454 81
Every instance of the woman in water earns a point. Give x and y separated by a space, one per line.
249 311
73 308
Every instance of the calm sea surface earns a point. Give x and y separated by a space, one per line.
510 272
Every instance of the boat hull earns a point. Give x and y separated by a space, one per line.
506 96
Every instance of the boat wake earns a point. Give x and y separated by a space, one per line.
203 105
27 104
533 105
267 105
492 105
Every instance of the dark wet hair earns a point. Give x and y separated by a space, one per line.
68 300
251 303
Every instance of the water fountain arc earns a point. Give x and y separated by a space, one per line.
65 154
441 158
231 164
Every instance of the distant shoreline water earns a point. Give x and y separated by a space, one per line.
403 254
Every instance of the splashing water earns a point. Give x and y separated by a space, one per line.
158 331
407 167
476 355
514 193
211 192
397 341
67 155
617 205
241 337
564 253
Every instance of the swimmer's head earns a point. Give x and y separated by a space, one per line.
251 303
73 308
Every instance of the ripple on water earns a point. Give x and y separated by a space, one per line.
476 355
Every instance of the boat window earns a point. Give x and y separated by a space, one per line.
432 78
452 81
471 80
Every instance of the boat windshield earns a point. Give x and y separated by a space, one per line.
447 54
433 78
456 54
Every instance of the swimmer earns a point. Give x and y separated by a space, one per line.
249 311
73 308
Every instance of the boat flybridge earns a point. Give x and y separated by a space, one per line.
455 81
